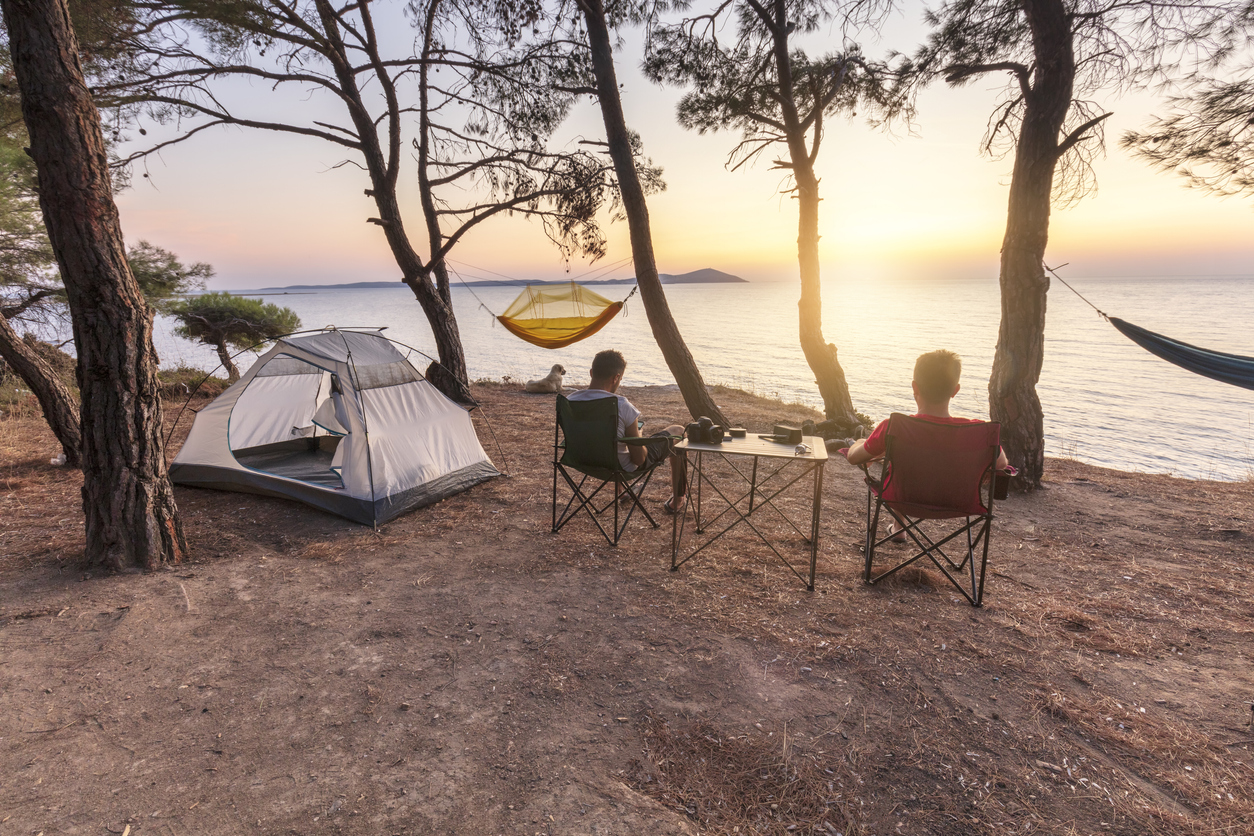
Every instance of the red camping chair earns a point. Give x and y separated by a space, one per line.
937 472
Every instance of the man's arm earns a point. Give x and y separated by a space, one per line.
637 452
858 454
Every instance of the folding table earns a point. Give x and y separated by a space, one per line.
758 473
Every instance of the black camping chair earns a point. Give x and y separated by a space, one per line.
585 447
937 472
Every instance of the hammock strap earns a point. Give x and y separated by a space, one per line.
1073 290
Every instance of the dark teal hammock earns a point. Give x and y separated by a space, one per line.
1217 365
1226 368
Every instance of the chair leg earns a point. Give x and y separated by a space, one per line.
618 532
636 503
988 535
579 501
975 593
977 541
582 501
872 532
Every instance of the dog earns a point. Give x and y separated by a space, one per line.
550 383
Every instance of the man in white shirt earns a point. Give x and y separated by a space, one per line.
607 372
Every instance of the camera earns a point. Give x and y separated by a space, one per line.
704 431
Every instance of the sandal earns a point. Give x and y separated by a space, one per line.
895 535
673 507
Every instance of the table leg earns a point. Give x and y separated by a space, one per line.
753 483
697 516
814 521
675 539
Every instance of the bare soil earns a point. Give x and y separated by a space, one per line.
464 670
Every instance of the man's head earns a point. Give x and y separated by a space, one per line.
607 366
936 376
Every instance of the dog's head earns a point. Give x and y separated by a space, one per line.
558 370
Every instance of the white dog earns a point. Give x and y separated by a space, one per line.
551 382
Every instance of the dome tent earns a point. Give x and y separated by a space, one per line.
339 420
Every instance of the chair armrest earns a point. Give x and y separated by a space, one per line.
649 440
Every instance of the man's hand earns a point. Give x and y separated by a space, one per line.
857 453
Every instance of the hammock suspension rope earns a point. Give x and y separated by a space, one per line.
556 315
1232 369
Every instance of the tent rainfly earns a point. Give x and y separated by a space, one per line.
339 420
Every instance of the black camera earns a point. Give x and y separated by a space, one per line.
704 431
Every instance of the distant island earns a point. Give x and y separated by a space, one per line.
707 275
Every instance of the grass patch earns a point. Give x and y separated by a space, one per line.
184 380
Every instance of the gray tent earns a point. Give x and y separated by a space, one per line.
340 420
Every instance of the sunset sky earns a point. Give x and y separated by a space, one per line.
271 209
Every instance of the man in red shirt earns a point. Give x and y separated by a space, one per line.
935 384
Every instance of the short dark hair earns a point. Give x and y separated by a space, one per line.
608 363
936 374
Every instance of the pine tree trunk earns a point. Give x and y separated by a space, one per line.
820 354
1012 397
54 399
224 356
131 519
696 396
448 373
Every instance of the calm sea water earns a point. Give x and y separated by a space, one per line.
1106 401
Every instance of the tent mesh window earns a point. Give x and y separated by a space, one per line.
384 374
283 365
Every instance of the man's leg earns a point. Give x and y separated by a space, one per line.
898 533
679 473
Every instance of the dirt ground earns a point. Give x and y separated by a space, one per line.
464 670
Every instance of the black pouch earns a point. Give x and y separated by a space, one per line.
1001 482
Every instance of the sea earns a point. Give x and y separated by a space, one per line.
1106 401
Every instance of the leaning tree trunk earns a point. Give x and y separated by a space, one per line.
820 354
696 396
131 519
449 373
59 409
224 356
1012 397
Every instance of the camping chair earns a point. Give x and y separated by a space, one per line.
937 472
585 447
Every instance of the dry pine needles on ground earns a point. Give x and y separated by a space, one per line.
465 669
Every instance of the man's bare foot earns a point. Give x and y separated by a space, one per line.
895 534
675 505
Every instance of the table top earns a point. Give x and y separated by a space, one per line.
751 445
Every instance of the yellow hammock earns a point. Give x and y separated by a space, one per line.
554 316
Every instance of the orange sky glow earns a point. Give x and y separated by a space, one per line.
272 209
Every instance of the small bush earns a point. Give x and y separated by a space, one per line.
182 381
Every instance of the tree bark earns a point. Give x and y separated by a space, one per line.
820 354
1012 397
131 518
449 373
224 356
675 351
54 399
